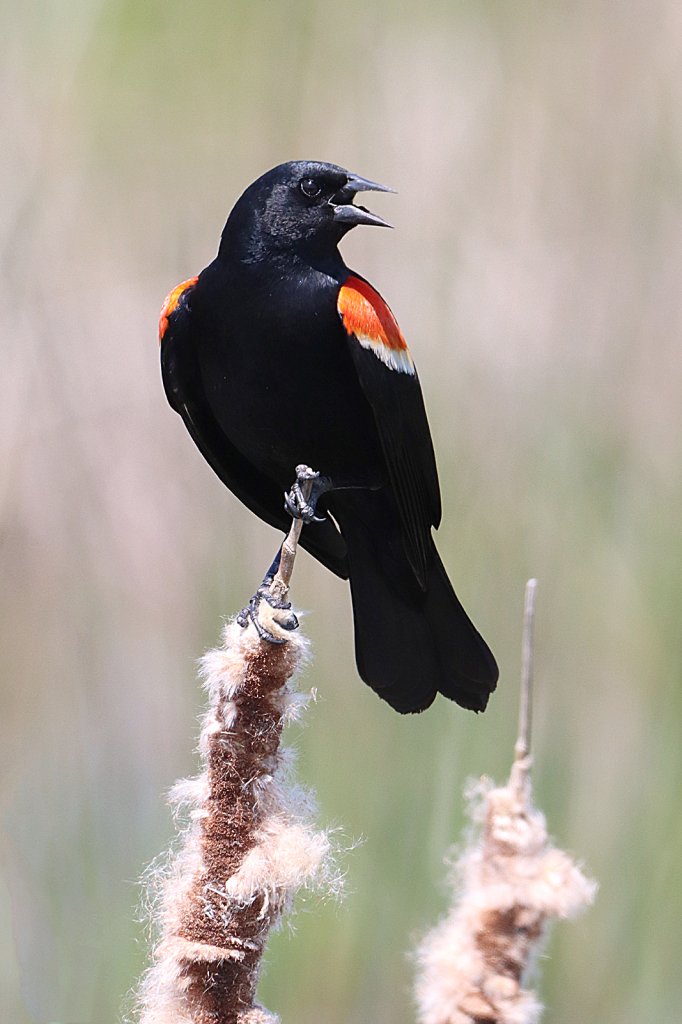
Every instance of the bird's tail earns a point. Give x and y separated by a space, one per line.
410 644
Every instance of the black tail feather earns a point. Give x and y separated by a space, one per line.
410 643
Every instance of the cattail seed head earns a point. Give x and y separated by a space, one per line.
249 846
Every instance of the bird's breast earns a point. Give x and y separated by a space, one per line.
280 379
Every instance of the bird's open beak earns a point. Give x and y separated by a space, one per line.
346 213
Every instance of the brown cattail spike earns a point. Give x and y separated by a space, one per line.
511 883
250 844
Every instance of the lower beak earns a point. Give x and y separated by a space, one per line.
353 215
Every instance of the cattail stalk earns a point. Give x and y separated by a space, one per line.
511 883
250 844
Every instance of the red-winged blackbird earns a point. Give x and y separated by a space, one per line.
277 354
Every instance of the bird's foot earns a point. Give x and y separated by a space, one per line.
269 614
268 610
295 502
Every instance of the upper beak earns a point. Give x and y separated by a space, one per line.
346 213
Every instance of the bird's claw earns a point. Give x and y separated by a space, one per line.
295 501
264 605
298 507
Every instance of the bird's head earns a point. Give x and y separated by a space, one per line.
302 206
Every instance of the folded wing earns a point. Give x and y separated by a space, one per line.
389 380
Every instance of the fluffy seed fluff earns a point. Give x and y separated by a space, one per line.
249 846
512 881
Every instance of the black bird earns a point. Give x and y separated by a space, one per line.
277 354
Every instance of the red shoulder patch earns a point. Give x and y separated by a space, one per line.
170 303
366 316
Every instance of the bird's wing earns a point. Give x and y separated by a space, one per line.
185 392
389 380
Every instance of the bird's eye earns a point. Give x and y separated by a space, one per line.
310 188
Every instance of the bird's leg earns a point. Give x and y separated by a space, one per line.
269 602
252 610
300 506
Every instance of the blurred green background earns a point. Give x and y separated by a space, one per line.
535 270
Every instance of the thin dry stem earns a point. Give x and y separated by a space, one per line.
522 748
279 588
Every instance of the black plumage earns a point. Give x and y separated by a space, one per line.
278 355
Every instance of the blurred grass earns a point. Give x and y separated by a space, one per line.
535 273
